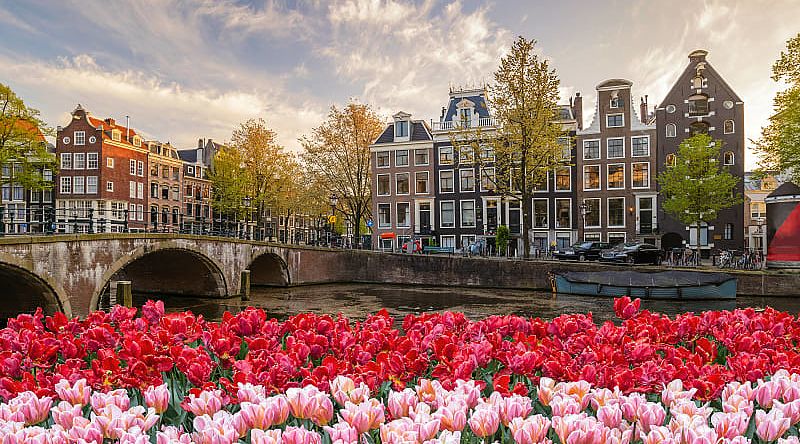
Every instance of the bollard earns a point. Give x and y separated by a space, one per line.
124 294
244 286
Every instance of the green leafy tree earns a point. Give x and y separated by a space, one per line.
779 145
22 142
527 143
502 238
698 186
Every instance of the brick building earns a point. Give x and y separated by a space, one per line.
197 162
101 182
165 184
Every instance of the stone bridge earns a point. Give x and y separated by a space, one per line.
74 273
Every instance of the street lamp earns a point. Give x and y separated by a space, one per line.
584 211
333 199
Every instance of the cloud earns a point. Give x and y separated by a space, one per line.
11 20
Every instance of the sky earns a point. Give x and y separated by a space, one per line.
184 70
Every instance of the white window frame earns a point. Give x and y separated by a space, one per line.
674 130
79 137
614 102
624 211
599 177
66 161
91 189
599 149
92 162
608 176
555 212
474 180
380 223
547 213
546 188
555 179
78 189
608 155
378 188
461 214
733 127
132 169
593 236
378 154
439 156
441 219
139 212
648 146
615 114
408 159
408 218
140 168
140 190
132 189
407 125
725 158
633 169
65 186
75 161
599 217
397 181
427 156
382 244
448 236
427 182
493 183
110 186
441 190
110 162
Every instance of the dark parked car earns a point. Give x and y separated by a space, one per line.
582 251
633 253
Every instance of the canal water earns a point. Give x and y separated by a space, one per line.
356 301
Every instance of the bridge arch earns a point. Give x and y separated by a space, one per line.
24 290
165 268
268 269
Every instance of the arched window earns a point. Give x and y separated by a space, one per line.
670 160
697 82
671 130
728 158
727 127
698 105
698 128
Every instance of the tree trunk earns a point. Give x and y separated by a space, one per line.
526 225
357 227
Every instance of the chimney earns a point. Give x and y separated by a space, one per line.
111 121
128 129
577 109
444 111
643 109
199 143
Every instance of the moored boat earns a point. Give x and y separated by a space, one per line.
647 285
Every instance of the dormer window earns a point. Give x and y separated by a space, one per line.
116 135
465 117
401 128
137 141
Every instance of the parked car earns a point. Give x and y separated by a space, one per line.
582 251
633 253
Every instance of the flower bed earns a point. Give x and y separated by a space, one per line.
508 355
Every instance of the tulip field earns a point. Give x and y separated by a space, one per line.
146 376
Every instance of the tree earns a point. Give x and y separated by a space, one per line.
337 152
503 235
779 145
698 186
22 142
515 158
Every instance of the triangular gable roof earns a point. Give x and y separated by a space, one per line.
708 68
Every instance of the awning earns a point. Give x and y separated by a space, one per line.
388 235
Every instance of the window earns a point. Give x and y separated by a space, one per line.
110 186
447 214
91 161
446 181
448 241
698 128
727 127
401 158
386 244
66 185
140 168
616 212
566 149
80 138
616 238
698 105
616 176
421 181
401 183
591 149
488 179
165 172
190 169
77 185
445 155
66 161
401 128
467 182
640 175
614 102
591 177
563 213
384 215
640 146
188 191
467 213
7 191
137 141
421 157
670 160
727 158
728 232
615 147
79 161
540 210
165 192
381 156
91 184
671 130
116 135
154 190
139 212
132 189
110 162
176 173
383 185
614 120
133 167
487 153
140 190
697 82
592 216
19 192
563 178
403 214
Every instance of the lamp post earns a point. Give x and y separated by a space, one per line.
584 211
334 199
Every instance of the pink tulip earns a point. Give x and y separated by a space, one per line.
484 421
789 440
744 389
299 435
767 392
563 405
430 392
730 425
365 416
399 403
529 430
342 432
77 393
610 415
564 425
580 390
660 435
448 437
172 435
157 397
265 436
343 389
83 430
651 414
546 390
399 431
207 402
701 435
251 393
64 413
604 396
214 430
738 403
771 426
33 408
790 410
514 406
117 397
469 391
453 416
310 403
631 406
256 416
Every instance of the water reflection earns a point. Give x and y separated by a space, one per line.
358 300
